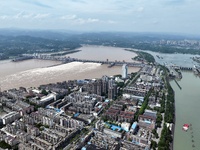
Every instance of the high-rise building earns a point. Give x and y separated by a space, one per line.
104 84
124 71
112 89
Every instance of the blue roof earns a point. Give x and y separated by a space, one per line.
76 115
99 106
57 110
134 125
113 127
146 121
135 142
107 100
83 148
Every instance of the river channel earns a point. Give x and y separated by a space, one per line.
187 102
32 73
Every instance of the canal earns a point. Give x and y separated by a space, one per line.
187 103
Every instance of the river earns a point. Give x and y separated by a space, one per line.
183 60
93 52
32 73
187 102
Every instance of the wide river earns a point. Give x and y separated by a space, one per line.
32 73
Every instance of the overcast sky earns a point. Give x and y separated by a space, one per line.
174 16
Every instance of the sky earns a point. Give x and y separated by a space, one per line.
170 16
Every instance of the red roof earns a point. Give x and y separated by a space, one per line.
186 125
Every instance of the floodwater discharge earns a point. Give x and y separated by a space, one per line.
32 73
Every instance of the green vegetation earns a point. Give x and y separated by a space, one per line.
169 112
166 135
16 45
133 75
155 133
165 139
120 84
143 56
104 118
144 104
153 145
31 103
159 119
44 92
84 131
46 126
38 125
4 145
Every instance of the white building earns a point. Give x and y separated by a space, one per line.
124 71
125 126
10 117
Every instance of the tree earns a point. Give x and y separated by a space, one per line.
153 145
44 92
159 119
155 133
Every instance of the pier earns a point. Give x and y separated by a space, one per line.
178 84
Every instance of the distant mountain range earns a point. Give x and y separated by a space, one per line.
14 42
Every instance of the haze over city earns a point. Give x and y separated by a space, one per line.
99 74
169 16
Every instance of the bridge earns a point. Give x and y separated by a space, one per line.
69 59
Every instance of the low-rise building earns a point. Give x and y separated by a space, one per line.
112 133
126 116
10 117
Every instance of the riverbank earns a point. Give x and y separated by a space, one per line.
142 56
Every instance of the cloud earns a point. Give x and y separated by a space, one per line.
167 15
3 17
36 3
175 2
111 22
78 1
140 9
68 17
41 16
91 20
24 16
155 22
76 20
85 21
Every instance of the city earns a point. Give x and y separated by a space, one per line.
126 111
99 75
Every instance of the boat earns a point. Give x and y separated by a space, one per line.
185 127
